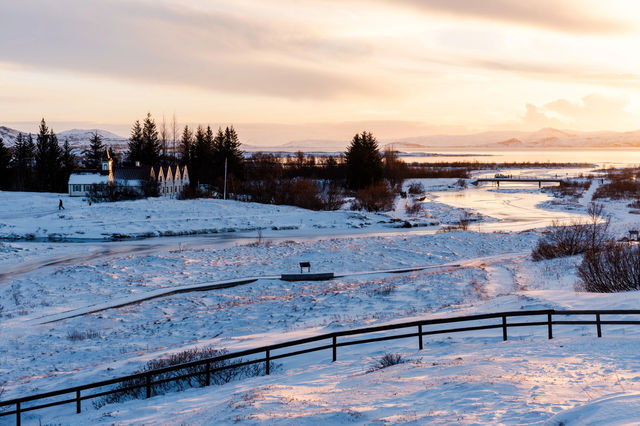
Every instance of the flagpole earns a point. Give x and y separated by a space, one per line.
225 179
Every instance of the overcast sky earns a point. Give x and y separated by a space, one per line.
444 66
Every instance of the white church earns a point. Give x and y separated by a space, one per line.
171 180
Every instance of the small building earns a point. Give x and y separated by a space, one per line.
132 177
171 180
80 183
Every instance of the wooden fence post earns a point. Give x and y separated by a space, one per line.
148 378
268 362
420 335
549 326
598 325
17 414
78 402
504 328
335 355
208 379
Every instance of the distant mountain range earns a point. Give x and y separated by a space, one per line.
543 139
78 138
547 138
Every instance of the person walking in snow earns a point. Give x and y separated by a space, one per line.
60 206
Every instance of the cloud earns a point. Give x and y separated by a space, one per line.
567 16
591 107
592 112
535 118
570 73
155 41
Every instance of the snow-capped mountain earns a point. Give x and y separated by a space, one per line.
8 135
78 138
81 137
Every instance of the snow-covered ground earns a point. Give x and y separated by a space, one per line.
470 378
36 216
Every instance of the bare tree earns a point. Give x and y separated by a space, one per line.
599 226
174 136
163 137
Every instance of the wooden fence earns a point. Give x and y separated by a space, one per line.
330 341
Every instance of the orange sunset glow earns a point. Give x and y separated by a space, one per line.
405 68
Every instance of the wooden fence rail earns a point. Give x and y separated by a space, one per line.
145 380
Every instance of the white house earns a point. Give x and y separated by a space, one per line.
80 183
171 180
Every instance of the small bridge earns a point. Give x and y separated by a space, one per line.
539 181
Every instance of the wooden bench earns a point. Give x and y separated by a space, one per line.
305 265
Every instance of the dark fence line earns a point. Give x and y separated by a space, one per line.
206 370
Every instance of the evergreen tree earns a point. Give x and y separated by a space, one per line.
135 143
150 143
364 162
5 158
68 161
226 146
201 156
186 144
207 173
96 152
47 158
23 160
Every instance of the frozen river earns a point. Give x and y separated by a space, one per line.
512 207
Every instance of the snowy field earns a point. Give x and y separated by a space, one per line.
469 378
36 216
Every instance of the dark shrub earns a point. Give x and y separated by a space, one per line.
375 198
332 197
413 208
416 188
76 335
464 220
614 269
622 184
562 241
387 360
575 238
300 192
190 192
110 192
198 380
572 188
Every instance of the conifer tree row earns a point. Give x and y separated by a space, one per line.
36 166
144 145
